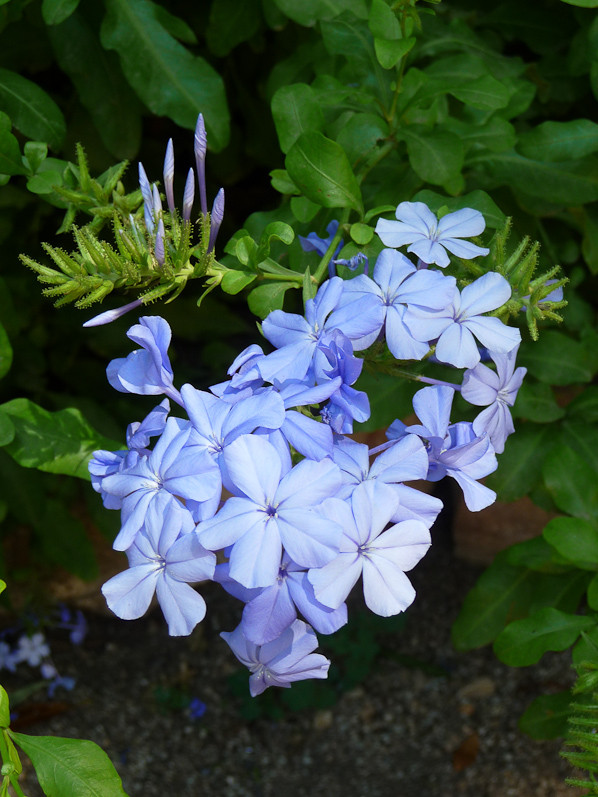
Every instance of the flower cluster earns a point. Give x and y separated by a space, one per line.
309 512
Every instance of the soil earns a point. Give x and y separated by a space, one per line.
425 720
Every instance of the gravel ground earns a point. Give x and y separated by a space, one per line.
425 720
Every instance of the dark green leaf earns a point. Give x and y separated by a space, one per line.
587 647
282 182
575 539
534 553
304 210
361 135
559 141
320 168
265 298
231 23
70 767
44 182
169 80
567 182
590 237
389 398
436 157
496 135
64 542
35 153
521 461
98 78
502 594
31 110
484 92
546 716
572 483
5 352
4 708
557 359
10 154
56 442
582 3
176 26
56 11
536 402
524 642
7 429
295 110
584 407
582 437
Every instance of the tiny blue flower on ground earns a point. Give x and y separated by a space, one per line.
32 649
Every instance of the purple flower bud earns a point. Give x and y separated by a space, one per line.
157 202
201 144
216 217
188 196
159 245
169 175
148 202
111 315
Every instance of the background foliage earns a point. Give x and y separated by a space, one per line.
319 110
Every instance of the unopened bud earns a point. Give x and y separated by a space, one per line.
189 195
159 246
200 147
216 217
169 175
111 315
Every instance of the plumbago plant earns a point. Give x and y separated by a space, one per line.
399 125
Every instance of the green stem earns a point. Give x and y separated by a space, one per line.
15 784
323 265
282 277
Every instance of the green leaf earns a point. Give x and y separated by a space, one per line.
559 141
97 76
4 708
36 153
32 111
584 407
575 539
390 53
496 135
557 359
572 182
176 26
484 92
56 11
282 182
572 483
65 542
436 157
361 134
70 767
10 154
524 642
44 182
389 398
167 77
362 234
590 238
521 461
546 717
383 21
234 281
320 168
7 429
536 402
5 352
587 647
265 298
582 437
534 553
295 110
231 23
582 3
56 442
303 209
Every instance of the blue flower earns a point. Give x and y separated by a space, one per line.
429 238
313 242
287 658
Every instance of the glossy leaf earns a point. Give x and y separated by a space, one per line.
234 281
10 152
56 442
4 708
383 21
32 111
389 53
166 76
525 641
435 157
295 110
536 402
7 429
362 134
572 483
320 168
56 11
484 92
582 437
70 767
265 298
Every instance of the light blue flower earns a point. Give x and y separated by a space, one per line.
428 237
